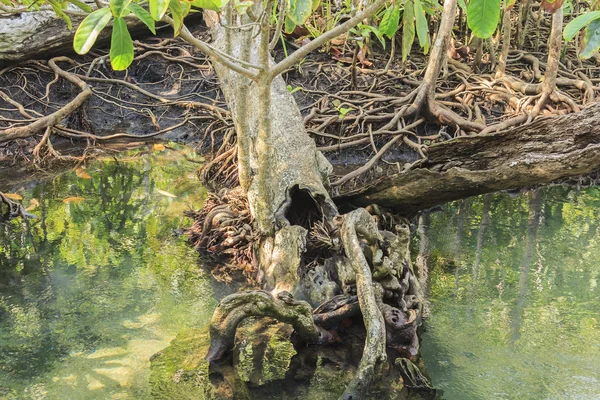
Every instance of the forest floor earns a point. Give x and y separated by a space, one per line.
350 101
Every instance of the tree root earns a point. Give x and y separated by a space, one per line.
387 296
234 308
374 354
51 120
222 231
13 210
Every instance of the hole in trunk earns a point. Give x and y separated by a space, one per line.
304 210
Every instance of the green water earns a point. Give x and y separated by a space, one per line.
514 296
101 281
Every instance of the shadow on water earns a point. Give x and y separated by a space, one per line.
514 296
100 281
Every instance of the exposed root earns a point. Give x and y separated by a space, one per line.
374 354
19 132
222 231
13 209
222 170
234 308
176 94
376 281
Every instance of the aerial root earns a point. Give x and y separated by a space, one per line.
222 231
374 353
136 94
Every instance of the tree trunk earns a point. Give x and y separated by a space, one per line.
285 179
547 150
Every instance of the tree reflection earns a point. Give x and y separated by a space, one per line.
71 279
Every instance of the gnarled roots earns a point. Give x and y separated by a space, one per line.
373 276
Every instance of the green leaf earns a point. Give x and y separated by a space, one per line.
578 23
483 17
89 29
299 10
158 8
242 5
462 5
143 15
214 5
289 25
58 9
121 46
315 4
118 7
177 14
422 29
591 40
81 5
408 29
390 21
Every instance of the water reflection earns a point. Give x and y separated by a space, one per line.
99 282
514 296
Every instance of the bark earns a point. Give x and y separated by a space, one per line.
547 150
41 34
288 173
374 351
34 34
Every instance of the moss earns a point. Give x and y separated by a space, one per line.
265 352
328 381
180 370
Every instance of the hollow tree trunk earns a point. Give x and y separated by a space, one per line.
547 150
285 178
289 174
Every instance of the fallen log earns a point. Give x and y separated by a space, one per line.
545 151
41 34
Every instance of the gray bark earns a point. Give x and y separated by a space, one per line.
547 150
41 34
34 34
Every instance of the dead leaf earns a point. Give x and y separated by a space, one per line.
80 172
165 193
159 147
75 200
345 60
551 5
13 196
362 57
33 205
340 40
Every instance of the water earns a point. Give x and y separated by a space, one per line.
514 296
100 281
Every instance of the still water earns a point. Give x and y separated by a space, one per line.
101 281
514 293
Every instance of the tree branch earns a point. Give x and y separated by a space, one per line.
321 40
216 55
